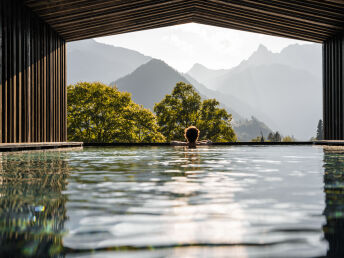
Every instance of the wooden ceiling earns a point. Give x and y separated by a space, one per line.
311 20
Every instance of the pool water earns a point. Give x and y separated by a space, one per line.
213 201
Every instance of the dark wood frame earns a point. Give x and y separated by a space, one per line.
33 78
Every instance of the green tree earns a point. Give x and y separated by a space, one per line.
178 111
215 123
320 131
274 137
288 139
99 113
184 108
258 139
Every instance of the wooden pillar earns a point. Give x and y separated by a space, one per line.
32 77
333 88
1 67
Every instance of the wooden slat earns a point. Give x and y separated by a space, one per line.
19 101
312 20
108 32
155 20
1 67
276 24
214 22
279 17
30 77
333 93
13 80
120 21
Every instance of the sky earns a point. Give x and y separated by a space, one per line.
184 45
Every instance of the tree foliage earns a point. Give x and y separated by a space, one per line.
258 139
275 137
99 113
288 139
184 108
320 131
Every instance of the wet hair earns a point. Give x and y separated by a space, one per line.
191 134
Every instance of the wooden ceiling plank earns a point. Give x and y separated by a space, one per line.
109 8
260 25
254 30
266 18
307 6
312 20
321 3
294 7
127 12
270 11
131 22
113 20
111 31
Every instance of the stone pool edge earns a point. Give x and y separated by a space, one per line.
10 147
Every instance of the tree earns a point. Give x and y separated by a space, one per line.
184 108
320 131
288 139
215 123
99 113
258 139
274 137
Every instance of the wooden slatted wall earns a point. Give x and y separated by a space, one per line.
32 78
333 88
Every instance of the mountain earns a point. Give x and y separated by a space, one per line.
286 86
243 111
149 84
158 77
247 129
204 74
89 60
305 57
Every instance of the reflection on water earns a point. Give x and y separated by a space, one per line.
334 210
173 202
32 206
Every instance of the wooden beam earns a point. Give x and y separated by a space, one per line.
312 20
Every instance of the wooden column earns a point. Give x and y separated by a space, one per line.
32 77
333 88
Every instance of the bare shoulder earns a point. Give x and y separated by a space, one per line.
178 143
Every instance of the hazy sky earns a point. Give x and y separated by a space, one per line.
182 46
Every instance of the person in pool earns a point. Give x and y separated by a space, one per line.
191 135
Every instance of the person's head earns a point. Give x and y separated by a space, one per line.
191 134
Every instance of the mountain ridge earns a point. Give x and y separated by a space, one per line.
89 60
164 83
285 85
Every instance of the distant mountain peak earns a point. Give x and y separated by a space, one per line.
261 52
261 56
197 67
157 65
155 61
262 48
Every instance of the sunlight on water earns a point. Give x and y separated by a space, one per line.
173 202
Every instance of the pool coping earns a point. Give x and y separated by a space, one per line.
8 147
323 142
117 144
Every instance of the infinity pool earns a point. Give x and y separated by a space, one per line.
212 201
